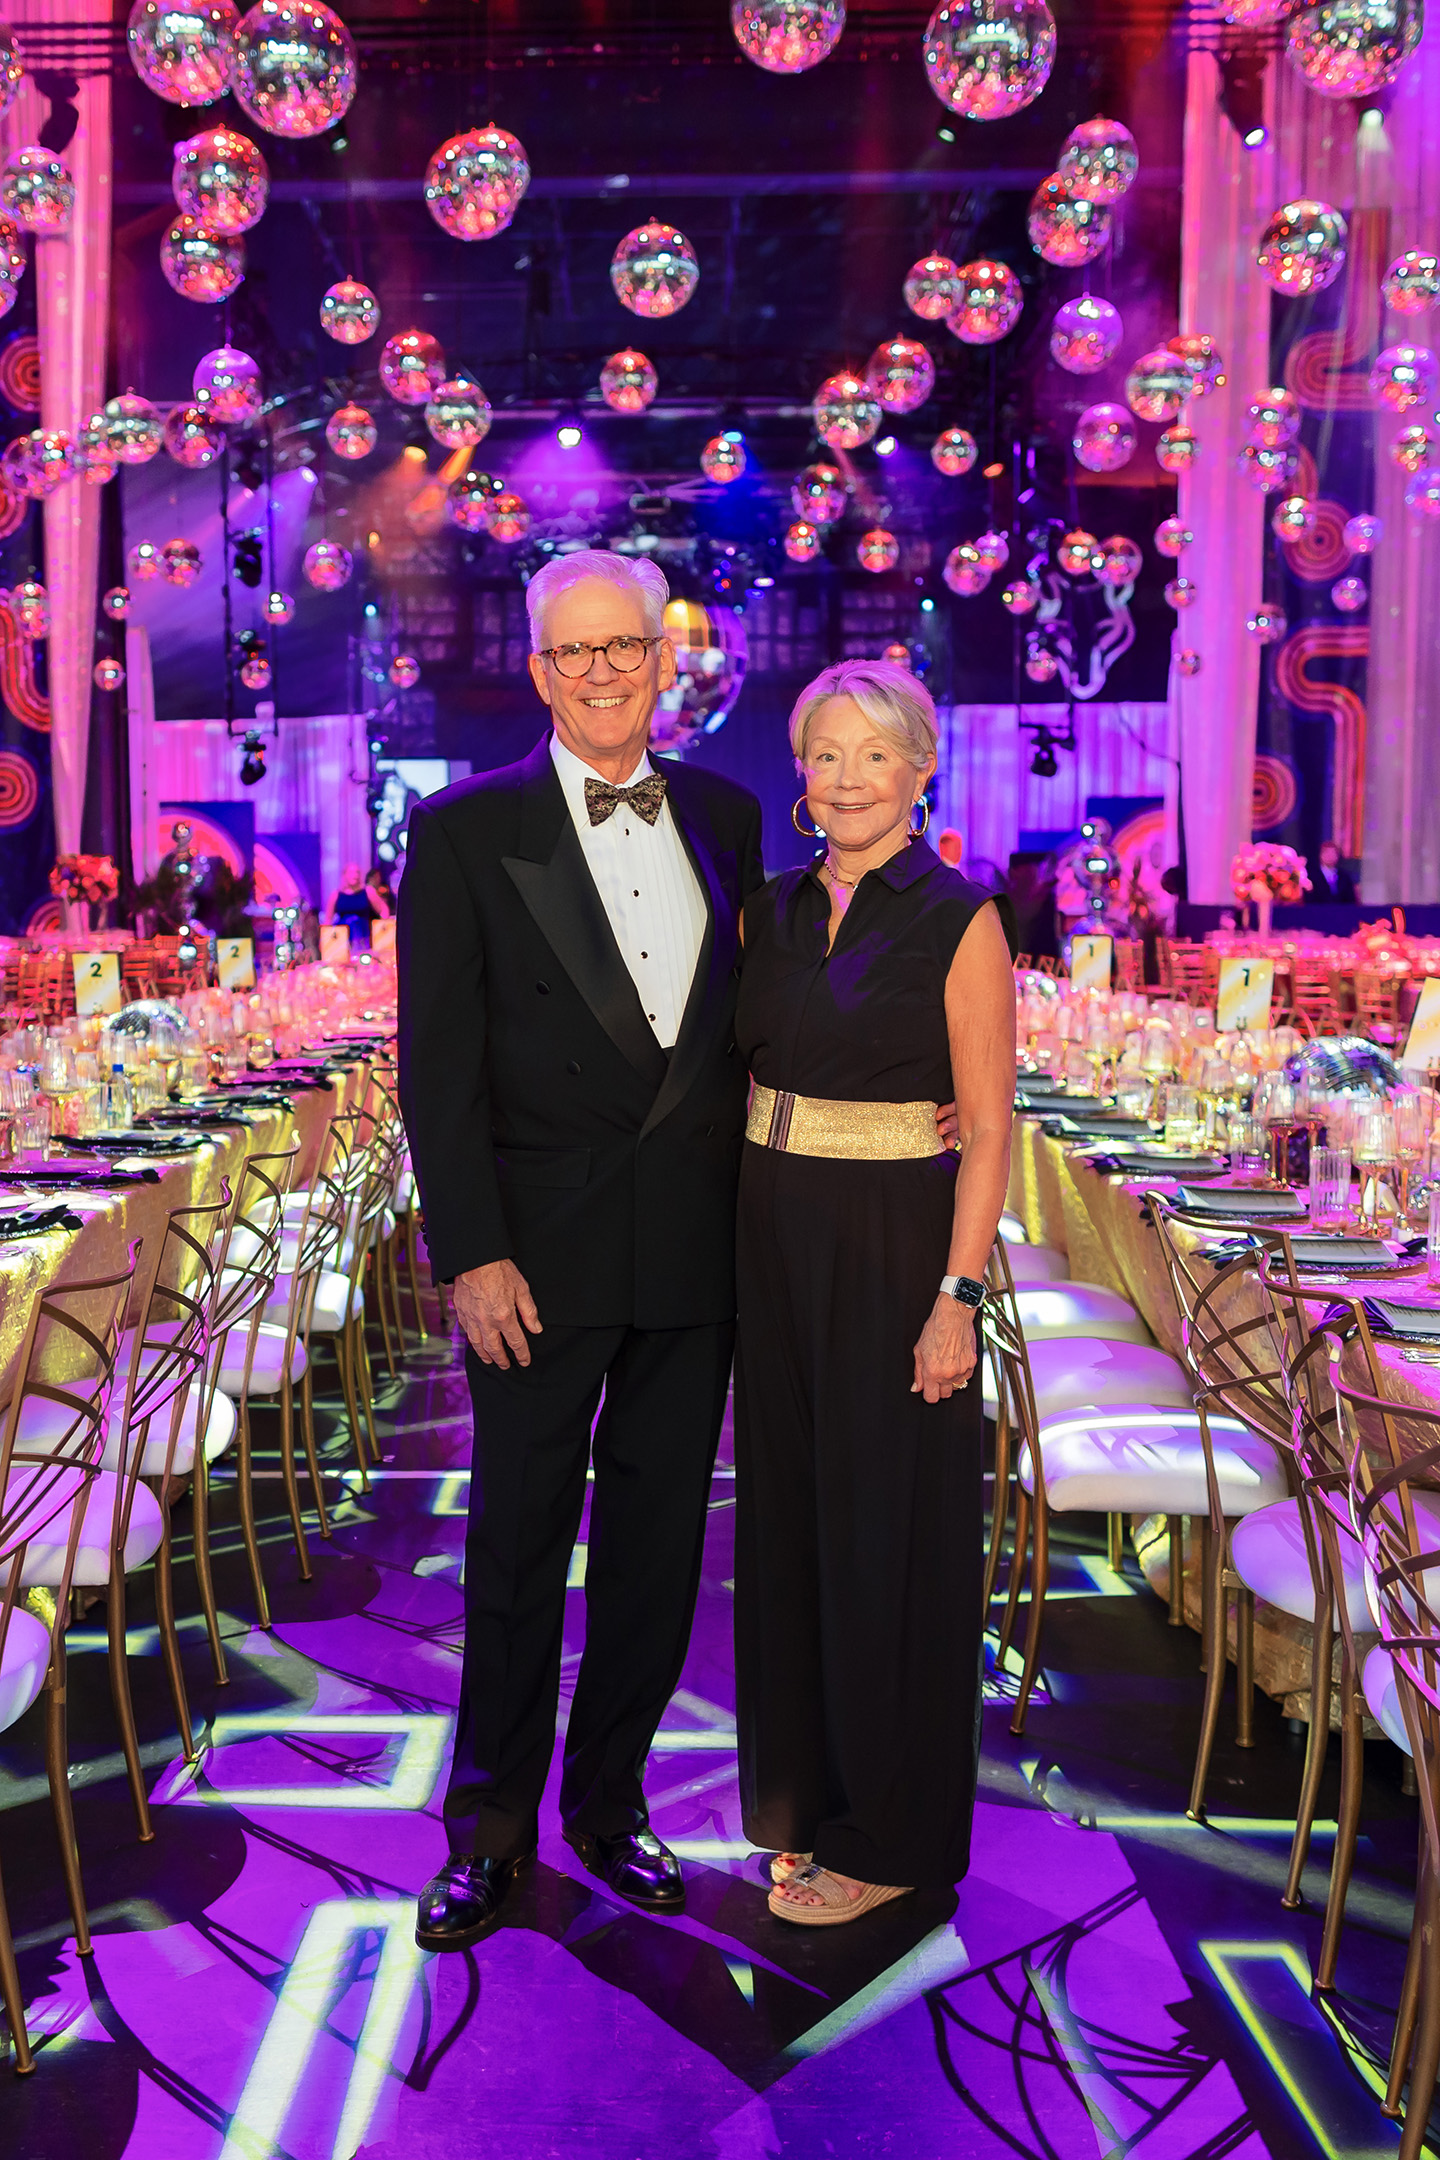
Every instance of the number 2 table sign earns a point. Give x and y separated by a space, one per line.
235 963
97 983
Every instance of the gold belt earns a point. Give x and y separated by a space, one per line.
856 1131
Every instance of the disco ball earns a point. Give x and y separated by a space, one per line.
989 305
993 549
255 672
1414 448
877 550
1363 533
295 67
108 674
183 53
1077 553
468 499
964 572
349 312
327 565
37 191
1085 334
1041 664
350 432
54 459
1104 438
12 262
847 411
1181 592
474 183
1118 562
900 656
1066 228
1302 249
1349 594
1172 537
710 659
279 608
1269 472
1293 518
1412 282
412 367
1403 375
193 437
901 374
180 563
1344 1065
785 37
116 603
17 463
404 671
458 414
227 383
1158 385
1188 662
628 382
818 494
133 428
987 59
1099 160
507 519
1352 48
221 179
30 605
1268 624
1177 449
199 265
95 452
1274 419
143 562
954 451
654 270
1257 14
1021 597
932 287
1423 493
803 541
1200 356
723 459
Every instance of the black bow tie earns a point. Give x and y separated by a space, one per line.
644 797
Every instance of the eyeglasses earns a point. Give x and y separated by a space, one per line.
624 654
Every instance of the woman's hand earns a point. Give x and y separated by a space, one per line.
945 1354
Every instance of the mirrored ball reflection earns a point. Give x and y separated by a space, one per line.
349 312
990 304
37 190
351 432
220 178
986 59
200 265
1104 438
1412 282
1302 249
654 270
295 69
847 411
1352 48
458 414
901 373
474 182
786 37
412 366
1085 334
183 53
932 287
1065 228
1099 160
628 382
193 437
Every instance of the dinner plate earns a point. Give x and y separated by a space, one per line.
1351 1254
1243 1203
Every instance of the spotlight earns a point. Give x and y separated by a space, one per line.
247 559
944 134
886 447
252 764
762 583
927 606
1257 138
569 435
1242 93
993 472
1044 764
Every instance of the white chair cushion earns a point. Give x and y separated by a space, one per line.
1037 1263
45 1555
34 1494
266 1371
220 1431
1139 1460
1382 1697
1268 1549
331 1295
1013 1230
1049 1311
23 1665
1076 1373
405 1191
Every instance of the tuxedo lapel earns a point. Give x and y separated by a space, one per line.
713 967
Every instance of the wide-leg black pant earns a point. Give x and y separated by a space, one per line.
654 1449
859 1524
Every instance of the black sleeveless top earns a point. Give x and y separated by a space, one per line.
865 1023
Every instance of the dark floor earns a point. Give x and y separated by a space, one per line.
1110 1980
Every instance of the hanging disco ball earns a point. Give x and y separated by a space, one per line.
1181 592
458 414
1269 472
94 451
710 659
193 437
954 451
255 671
1041 664
1099 160
143 562
1274 419
1352 48
507 518
474 183
133 428
295 70
404 671
350 432
993 549
1172 537
1293 518
412 367
654 270
1118 562
818 493
349 312
30 605
932 287
1412 282
1302 249
785 37
1085 334
1200 356
468 499
1157 385
964 572
1077 553
986 59
180 563
847 411
116 603
1021 597
227 383
1065 228
1267 624
36 190
279 608
183 53
221 180
327 565
1363 533
1349 594
723 458
12 67
901 373
1177 449
1403 375
1188 663
1104 438
199 265
877 550
1423 494
990 302
628 382
17 464
53 459
1414 448
108 674
803 541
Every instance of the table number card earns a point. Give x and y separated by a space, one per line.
334 943
1422 1044
235 963
97 983
1246 987
1090 958
382 937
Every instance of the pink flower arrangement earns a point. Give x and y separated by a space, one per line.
85 877
1268 871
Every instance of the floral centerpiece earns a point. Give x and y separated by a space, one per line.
86 880
1266 872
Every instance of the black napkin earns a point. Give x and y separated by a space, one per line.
1342 1252
1412 1323
81 1173
138 1143
1160 1166
29 1222
1238 1200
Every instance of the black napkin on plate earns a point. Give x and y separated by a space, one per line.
182 1120
30 1222
139 1143
83 1171
1160 1166
1342 1253
1409 1323
1102 1127
1037 1084
1239 1200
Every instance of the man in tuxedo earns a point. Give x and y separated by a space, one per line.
1329 878
575 1107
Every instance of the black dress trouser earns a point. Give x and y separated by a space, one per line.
654 1449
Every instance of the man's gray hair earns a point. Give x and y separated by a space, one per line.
634 574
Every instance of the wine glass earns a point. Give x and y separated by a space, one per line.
1374 1151
1274 1105
1411 1139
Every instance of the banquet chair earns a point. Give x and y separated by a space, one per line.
1313 994
402 1207
1377 1006
321 1298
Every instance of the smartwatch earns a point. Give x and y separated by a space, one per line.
964 1289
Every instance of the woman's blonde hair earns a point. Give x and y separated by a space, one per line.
899 708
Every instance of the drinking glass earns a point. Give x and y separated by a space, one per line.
1432 1238
1182 1116
1275 1104
1329 1188
1411 1139
32 1135
1374 1148
1133 1097
1248 1157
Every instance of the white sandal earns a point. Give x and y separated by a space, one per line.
838 1906
784 1865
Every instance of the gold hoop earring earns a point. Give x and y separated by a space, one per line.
918 832
806 832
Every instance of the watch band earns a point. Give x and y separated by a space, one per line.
964 1289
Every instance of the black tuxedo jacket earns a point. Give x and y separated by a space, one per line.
545 1122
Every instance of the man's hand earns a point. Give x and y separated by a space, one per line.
947 1124
490 1303
945 1353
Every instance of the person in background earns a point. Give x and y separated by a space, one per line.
378 887
1329 879
950 847
354 905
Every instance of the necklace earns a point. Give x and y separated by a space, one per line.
848 884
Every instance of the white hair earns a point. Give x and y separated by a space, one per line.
898 707
632 574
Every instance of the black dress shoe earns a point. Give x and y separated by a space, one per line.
462 1903
634 1865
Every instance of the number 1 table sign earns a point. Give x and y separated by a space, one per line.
1242 1001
